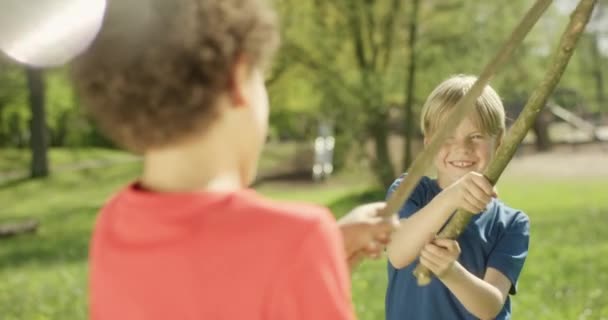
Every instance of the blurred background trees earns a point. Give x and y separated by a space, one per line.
366 66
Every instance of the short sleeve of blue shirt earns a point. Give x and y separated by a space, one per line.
422 194
511 250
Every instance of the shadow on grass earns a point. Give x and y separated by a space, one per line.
44 250
13 182
70 181
61 238
300 176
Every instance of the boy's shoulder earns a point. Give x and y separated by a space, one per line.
300 215
425 190
228 212
425 182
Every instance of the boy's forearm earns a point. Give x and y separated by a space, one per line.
480 298
417 230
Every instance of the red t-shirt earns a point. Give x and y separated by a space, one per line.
216 256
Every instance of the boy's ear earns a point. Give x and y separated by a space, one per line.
499 140
237 83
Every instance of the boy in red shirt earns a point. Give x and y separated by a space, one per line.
181 83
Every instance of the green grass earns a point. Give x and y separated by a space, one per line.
18 160
43 275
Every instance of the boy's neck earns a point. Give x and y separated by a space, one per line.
442 182
205 165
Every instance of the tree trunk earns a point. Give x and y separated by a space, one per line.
409 92
382 164
524 122
541 131
38 140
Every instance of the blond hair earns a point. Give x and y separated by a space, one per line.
489 112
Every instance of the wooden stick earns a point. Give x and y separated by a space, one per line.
464 106
504 154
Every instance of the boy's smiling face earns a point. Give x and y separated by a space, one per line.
468 149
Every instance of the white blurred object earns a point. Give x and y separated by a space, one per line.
47 33
324 152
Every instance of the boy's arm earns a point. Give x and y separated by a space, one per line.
471 192
417 230
314 282
484 298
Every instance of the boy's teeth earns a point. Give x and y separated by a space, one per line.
462 163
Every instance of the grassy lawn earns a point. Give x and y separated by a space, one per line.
18 160
43 276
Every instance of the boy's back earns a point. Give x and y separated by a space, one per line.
216 256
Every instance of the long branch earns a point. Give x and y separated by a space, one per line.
524 122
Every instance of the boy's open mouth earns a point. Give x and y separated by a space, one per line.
461 164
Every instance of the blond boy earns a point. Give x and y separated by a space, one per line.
474 282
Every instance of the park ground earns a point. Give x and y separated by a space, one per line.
565 193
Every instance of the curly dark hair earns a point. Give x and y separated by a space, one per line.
152 76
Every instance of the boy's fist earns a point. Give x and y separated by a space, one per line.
473 192
439 256
365 233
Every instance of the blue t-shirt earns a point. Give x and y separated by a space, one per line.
496 238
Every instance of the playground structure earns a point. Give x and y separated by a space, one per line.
582 130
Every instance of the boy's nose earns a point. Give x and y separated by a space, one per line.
463 146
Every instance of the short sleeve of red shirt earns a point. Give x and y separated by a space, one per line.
313 285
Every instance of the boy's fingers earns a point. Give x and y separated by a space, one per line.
479 195
389 225
373 220
392 220
375 208
429 264
448 244
384 240
367 213
373 246
475 203
434 254
471 207
382 227
485 185
443 243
